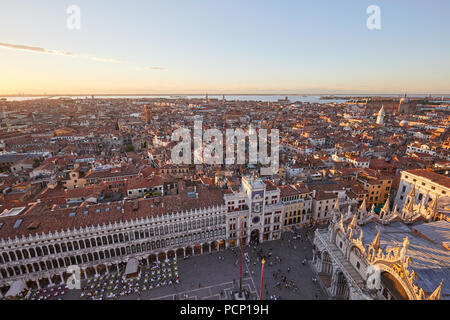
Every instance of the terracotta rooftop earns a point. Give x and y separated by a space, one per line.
433 176
287 191
47 218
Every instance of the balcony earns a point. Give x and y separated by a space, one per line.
241 208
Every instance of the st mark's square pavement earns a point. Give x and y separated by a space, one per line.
216 275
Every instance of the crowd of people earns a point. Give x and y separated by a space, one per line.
116 285
298 238
52 292
112 286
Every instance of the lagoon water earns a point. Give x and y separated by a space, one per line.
263 98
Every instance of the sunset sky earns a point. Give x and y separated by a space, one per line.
233 46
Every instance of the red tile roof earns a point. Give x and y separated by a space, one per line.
52 219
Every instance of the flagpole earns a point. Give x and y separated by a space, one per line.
262 278
240 277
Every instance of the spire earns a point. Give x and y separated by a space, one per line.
386 204
395 210
363 206
433 208
436 295
410 205
385 210
404 214
433 205
341 222
336 205
336 212
349 211
412 192
411 198
352 224
423 200
372 209
381 115
376 242
404 248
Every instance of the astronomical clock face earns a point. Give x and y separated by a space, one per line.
257 205
257 195
256 219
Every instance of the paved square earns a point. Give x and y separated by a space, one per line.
216 275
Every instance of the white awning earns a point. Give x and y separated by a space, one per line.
16 288
132 266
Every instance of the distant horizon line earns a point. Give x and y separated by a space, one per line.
222 94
